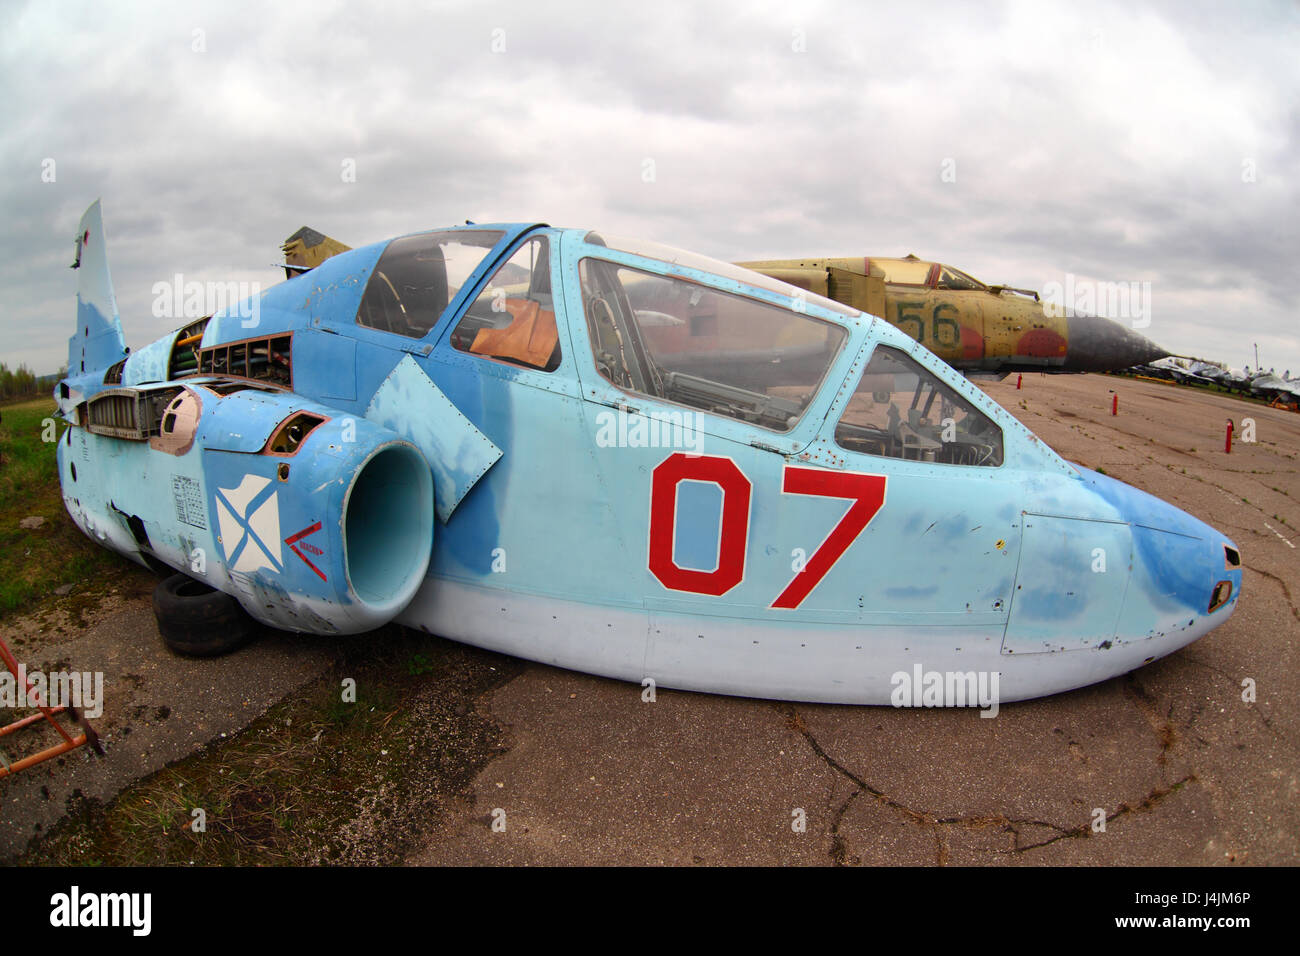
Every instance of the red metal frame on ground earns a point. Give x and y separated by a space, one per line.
86 736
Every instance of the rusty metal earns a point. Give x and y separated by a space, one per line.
70 742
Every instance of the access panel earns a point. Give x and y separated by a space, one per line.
1071 581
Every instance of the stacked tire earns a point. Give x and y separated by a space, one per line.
198 621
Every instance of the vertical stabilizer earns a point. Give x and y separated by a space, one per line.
97 342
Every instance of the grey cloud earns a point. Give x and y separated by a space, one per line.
1071 136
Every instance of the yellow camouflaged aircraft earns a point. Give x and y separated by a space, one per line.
974 327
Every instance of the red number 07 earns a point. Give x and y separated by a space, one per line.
867 492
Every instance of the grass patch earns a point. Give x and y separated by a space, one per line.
34 562
314 780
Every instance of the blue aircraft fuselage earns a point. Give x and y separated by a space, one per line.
613 458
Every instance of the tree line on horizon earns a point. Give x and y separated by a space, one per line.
22 381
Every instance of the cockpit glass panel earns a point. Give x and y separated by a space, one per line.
513 318
726 354
901 409
950 278
904 271
418 276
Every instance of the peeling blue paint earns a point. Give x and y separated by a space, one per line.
150 364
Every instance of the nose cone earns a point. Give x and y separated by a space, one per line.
1186 576
1098 345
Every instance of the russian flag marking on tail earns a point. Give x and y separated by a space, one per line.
97 342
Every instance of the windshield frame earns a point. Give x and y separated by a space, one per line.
975 285
941 388
511 234
380 291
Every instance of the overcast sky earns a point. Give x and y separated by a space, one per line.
1115 142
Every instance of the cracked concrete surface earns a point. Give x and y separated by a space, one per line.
157 707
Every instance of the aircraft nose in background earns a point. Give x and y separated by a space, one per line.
1097 344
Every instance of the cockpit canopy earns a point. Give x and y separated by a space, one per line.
681 328
929 275
417 276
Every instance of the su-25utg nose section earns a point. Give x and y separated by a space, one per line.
853 507
1106 566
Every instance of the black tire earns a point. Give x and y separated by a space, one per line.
198 621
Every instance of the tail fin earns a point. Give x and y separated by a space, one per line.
98 341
